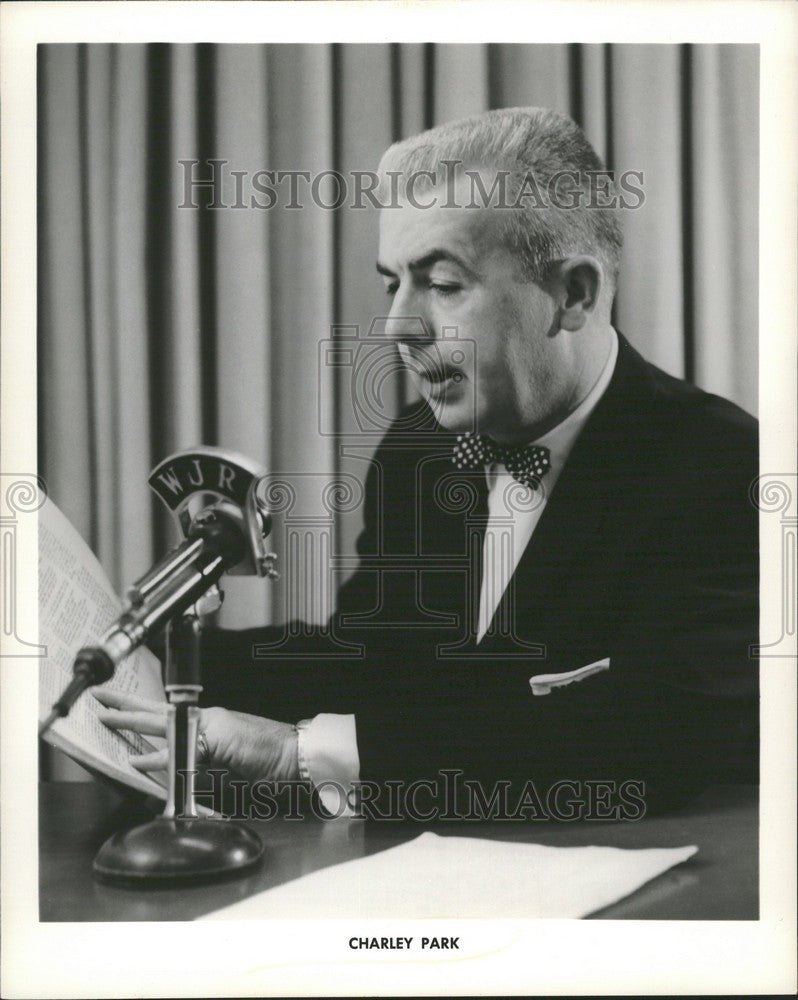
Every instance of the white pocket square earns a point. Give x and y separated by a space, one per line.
544 683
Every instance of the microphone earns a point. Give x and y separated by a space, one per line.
213 494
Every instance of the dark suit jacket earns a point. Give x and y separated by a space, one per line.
646 553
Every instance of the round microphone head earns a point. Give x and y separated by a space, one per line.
95 663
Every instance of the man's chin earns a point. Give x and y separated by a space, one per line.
457 417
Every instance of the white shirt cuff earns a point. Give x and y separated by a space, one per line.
328 758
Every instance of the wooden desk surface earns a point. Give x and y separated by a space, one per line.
719 883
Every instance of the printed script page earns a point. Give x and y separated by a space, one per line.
76 606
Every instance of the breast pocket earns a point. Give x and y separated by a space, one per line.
543 684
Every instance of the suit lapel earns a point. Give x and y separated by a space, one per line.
594 495
585 518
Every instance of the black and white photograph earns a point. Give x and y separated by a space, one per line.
414 550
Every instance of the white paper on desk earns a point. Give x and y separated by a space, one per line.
439 877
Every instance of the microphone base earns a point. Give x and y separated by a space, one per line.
178 850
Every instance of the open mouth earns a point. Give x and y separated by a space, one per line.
437 372
442 377
434 372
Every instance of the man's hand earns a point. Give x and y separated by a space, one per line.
248 745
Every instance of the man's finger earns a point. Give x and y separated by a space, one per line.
140 722
126 702
158 761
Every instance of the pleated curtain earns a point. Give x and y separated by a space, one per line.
162 327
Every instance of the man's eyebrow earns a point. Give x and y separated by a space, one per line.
427 261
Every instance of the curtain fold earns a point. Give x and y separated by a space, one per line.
647 136
724 208
162 327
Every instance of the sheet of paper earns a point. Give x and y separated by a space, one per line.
446 877
76 606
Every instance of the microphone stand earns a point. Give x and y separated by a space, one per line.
226 535
179 844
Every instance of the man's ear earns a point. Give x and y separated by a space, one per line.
579 286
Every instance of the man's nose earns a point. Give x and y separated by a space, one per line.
404 324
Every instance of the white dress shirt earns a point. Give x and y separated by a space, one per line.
328 755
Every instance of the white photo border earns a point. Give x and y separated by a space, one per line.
514 957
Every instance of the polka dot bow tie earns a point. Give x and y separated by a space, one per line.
525 463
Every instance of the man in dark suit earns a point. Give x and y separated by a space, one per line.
554 508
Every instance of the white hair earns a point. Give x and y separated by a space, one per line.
526 144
